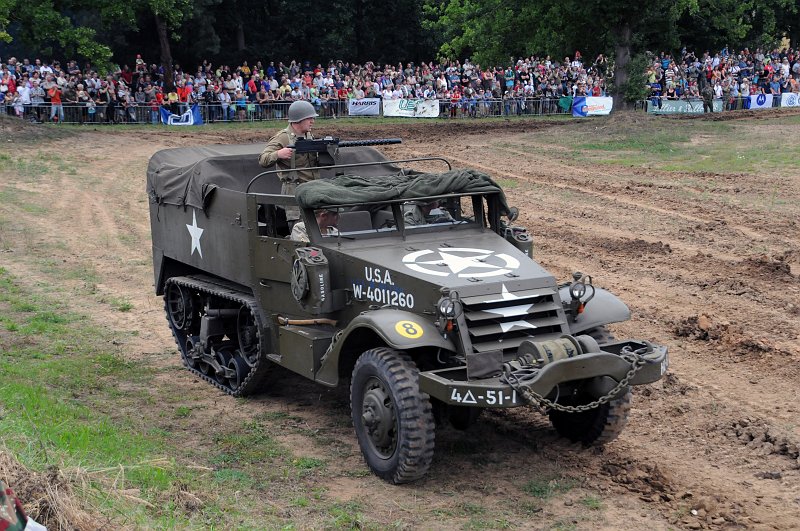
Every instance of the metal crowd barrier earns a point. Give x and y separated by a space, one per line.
271 111
731 104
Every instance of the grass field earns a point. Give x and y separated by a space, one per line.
76 400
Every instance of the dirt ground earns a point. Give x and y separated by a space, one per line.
713 445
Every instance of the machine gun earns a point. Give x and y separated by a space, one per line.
331 145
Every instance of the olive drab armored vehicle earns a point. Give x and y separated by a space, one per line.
421 295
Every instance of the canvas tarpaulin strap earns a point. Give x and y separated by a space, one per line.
354 189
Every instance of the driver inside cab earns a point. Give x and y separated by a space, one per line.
418 213
326 220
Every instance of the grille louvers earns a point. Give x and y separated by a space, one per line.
503 322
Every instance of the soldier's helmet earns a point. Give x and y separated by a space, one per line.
300 110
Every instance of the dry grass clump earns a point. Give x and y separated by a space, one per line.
47 497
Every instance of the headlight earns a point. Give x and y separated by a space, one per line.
577 290
447 308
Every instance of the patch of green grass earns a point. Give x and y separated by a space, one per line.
56 372
183 412
307 463
302 501
507 184
564 525
346 515
592 502
483 523
249 446
121 305
546 487
233 477
34 209
470 509
661 142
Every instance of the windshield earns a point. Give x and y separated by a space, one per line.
428 214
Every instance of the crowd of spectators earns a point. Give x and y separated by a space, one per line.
733 76
43 90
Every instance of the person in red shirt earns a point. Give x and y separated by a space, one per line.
183 90
55 103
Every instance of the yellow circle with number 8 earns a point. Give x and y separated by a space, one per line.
409 329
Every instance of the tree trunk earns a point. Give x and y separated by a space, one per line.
240 43
358 30
622 56
237 16
166 53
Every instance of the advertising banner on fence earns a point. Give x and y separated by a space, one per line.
680 106
364 107
790 99
591 106
411 108
190 117
761 101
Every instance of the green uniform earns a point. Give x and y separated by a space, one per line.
297 168
708 99
413 214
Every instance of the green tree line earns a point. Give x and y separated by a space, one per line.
487 31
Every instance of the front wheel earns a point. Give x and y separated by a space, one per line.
392 418
593 427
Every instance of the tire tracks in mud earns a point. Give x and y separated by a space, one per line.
726 468
754 235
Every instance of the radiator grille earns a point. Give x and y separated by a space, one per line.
503 322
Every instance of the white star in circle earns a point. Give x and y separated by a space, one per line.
457 263
195 232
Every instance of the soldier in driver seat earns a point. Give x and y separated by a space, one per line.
417 213
326 220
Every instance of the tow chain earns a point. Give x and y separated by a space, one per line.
542 404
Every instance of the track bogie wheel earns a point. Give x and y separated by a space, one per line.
392 418
187 352
240 369
223 357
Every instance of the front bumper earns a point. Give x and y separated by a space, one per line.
451 385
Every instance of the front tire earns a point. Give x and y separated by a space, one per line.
595 427
392 418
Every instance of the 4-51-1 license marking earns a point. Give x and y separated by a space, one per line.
484 397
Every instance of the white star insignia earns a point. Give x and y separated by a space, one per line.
516 324
195 232
457 264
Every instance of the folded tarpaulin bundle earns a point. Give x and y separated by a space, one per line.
354 189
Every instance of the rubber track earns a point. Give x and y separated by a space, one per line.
231 292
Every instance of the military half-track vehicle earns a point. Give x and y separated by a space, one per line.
424 299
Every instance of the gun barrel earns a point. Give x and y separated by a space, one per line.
370 142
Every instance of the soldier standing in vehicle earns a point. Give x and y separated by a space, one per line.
297 166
